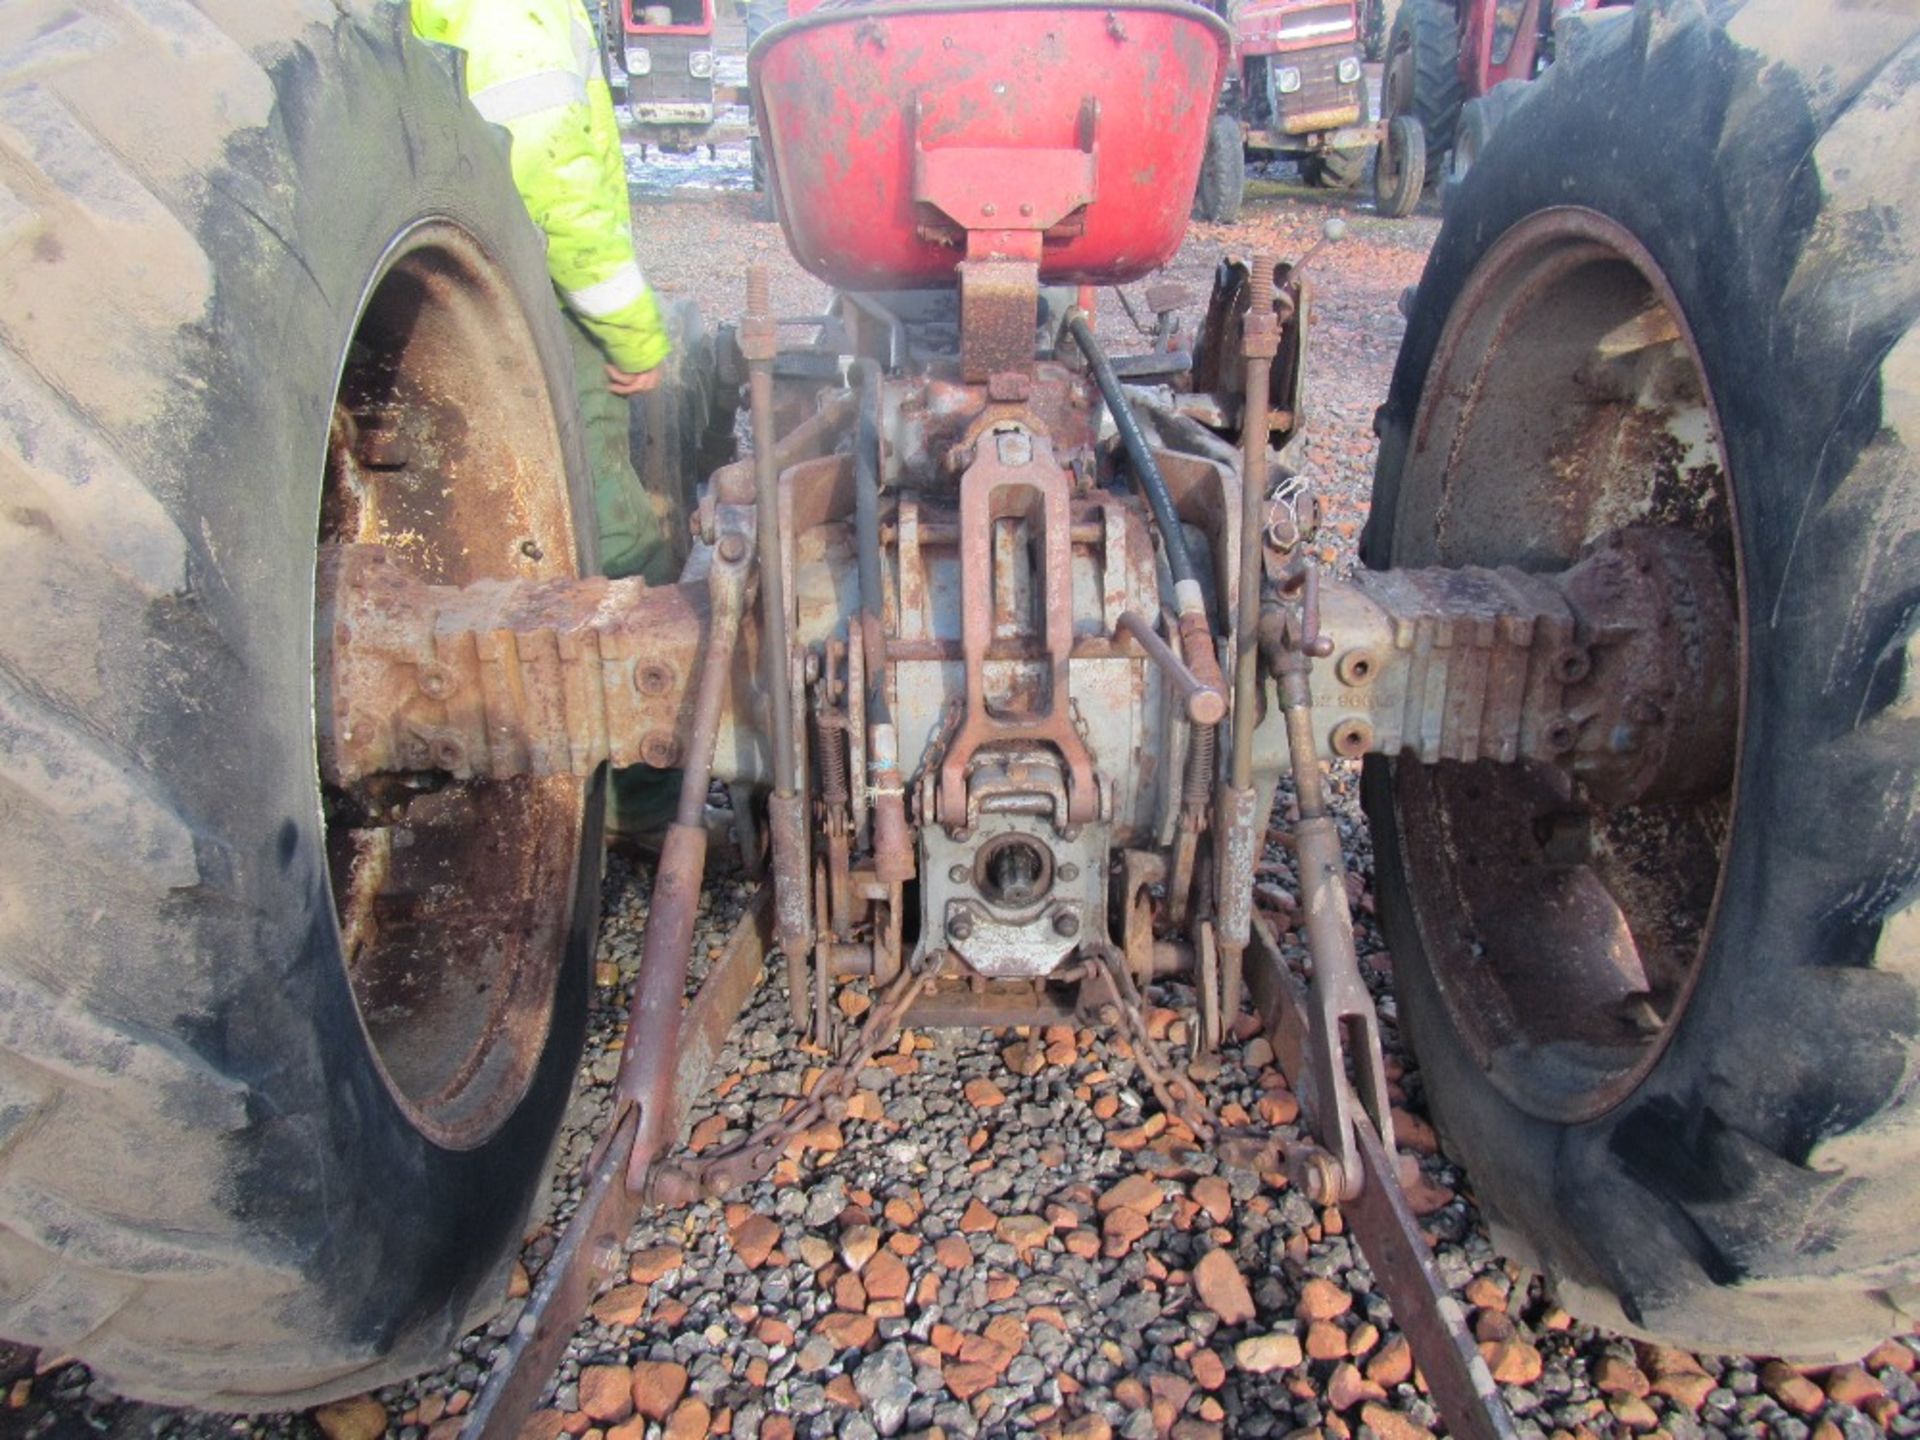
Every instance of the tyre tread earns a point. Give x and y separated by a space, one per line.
154 1283
1769 1207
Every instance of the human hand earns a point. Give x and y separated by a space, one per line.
620 382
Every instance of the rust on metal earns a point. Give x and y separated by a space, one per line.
1620 668
1014 475
1389 1235
1343 1026
997 307
608 1204
1567 908
788 825
1204 705
497 677
650 1059
1238 833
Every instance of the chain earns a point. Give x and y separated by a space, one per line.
752 1158
1248 1147
1177 1095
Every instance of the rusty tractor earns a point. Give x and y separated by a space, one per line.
1454 71
1008 648
1294 89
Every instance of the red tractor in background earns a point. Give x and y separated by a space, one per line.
1457 67
1295 89
662 53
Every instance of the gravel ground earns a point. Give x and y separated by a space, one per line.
1005 1237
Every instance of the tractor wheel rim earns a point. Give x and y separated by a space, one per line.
1566 940
453 899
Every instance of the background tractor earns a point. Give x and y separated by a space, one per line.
662 56
1458 67
1294 90
1004 643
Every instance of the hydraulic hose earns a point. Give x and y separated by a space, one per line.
866 512
1189 602
1146 470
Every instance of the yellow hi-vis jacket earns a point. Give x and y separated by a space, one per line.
533 66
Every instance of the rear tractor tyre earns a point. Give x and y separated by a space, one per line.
1480 117
1222 187
1422 76
683 429
282 1067
1373 28
1673 1043
761 16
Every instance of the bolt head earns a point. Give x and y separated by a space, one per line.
1353 738
660 749
1315 1174
733 547
959 874
960 926
1066 924
1573 665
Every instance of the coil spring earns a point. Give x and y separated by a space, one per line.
830 755
1199 778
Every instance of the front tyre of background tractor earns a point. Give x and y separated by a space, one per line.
283 1065
1341 169
1673 1041
1336 169
1400 168
1222 186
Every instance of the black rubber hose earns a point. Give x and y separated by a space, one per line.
1146 472
866 523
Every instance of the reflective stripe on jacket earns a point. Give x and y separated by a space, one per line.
533 66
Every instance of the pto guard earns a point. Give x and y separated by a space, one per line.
905 137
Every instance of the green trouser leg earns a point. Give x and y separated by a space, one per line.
633 541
